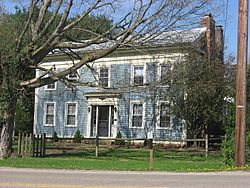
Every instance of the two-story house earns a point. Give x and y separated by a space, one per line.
128 96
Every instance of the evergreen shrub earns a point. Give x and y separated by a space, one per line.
117 141
77 137
55 137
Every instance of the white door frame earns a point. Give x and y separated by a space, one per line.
106 102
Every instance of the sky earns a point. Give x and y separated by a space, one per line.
229 24
230 28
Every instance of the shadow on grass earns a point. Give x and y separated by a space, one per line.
109 152
117 152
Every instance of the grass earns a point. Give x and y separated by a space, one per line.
120 159
71 156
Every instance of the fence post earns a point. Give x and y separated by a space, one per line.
41 146
30 143
19 144
206 147
44 144
151 154
96 145
26 144
37 144
33 145
22 143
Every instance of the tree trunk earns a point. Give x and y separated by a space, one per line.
7 130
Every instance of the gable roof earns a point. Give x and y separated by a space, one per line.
169 38
172 37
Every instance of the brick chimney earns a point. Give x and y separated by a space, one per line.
208 22
219 42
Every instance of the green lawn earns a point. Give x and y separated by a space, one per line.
63 155
121 159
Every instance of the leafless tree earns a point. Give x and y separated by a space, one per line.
135 23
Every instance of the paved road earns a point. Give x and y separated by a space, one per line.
30 178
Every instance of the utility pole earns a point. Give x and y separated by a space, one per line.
241 82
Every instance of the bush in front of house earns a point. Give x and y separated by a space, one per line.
77 137
118 141
248 141
228 148
247 144
145 142
54 137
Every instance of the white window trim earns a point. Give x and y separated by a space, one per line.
45 113
72 79
46 86
49 89
66 114
75 78
109 72
144 74
158 117
131 114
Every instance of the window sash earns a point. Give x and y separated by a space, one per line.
71 114
50 113
137 115
138 75
71 119
73 75
137 109
71 109
137 121
104 77
51 86
49 119
165 69
165 117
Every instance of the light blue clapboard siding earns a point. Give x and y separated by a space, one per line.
120 77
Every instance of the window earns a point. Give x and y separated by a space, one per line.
73 75
49 114
138 75
136 115
104 77
51 86
164 114
164 73
71 114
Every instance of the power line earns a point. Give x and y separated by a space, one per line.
226 18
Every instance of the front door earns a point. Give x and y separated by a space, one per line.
102 120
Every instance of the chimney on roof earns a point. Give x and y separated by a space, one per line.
208 22
214 38
219 41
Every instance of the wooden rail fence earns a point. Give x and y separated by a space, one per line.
24 144
31 145
39 145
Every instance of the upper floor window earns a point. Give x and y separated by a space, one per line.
164 115
71 114
104 77
51 86
138 75
49 114
164 73
73 75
